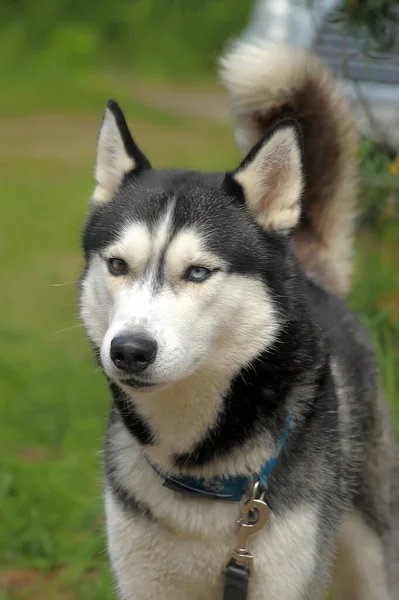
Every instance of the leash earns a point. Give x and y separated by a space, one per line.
239 565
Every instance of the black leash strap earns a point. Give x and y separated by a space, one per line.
236 579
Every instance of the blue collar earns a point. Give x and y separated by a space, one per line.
222 488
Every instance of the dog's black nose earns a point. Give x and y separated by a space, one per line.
133 353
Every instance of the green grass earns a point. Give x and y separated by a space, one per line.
53 402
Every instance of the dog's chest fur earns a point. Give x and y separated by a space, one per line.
164 545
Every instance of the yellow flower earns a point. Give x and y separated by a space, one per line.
394 166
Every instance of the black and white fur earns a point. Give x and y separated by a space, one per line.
263 331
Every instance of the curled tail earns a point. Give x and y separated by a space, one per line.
268 82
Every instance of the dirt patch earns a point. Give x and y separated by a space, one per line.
34 454
48 136
29 584
73 139
205 103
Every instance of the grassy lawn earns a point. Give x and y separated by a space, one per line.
53 402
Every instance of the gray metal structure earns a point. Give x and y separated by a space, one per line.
372 84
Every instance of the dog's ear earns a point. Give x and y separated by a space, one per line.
271 178
117 153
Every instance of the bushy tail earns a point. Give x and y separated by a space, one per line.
268 82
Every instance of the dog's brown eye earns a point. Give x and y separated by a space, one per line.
117 266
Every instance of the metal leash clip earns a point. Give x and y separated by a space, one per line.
255 515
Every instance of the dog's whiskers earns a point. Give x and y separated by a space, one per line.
66 329
64 283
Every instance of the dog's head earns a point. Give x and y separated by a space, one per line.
185 270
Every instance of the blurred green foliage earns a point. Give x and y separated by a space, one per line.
379 189
158 37
374 20
377 18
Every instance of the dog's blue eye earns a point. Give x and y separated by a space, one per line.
117 266
197 274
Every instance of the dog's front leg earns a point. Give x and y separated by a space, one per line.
151 561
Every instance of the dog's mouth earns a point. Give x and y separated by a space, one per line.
137 383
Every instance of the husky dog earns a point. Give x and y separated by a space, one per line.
214 302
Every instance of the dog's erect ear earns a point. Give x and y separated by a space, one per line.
117 153
271 177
